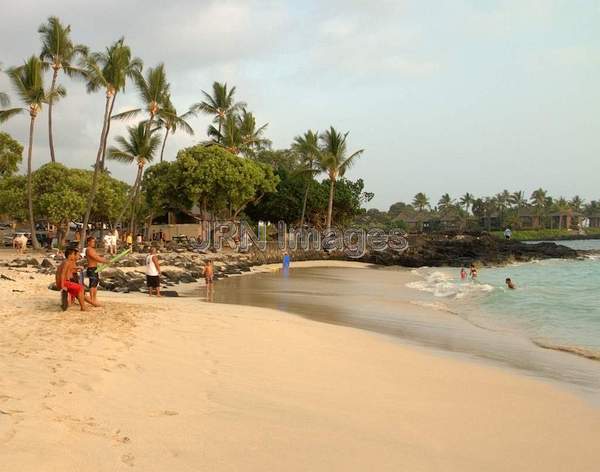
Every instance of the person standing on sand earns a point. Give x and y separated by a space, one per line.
153 272
209 273
18 245
129 241
93 259
66 273
286 261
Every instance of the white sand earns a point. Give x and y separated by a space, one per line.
181 385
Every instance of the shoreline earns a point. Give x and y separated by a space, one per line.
451 333
170 384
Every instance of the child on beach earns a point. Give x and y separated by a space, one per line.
209 273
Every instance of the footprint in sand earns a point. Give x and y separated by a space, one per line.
128 459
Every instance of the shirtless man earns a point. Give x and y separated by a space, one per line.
510 284
65 276
93 259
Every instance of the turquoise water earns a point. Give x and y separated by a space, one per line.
556 303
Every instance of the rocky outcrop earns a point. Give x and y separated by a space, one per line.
464 249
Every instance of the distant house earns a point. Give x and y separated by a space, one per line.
565 219
594 220
529 218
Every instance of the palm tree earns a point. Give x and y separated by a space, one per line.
108 70
221 104
28 81
58 53
539 200
140 148
307 146
335 161
518 199
153 89
239 134
562 206
445 202
170 121
467 201
420 202
577 203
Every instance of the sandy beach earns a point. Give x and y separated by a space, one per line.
178 384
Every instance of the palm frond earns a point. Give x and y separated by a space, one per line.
8 114
4 99
127 115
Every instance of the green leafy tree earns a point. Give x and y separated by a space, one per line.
13 197
58 53
220 105
107 71
11 155
57 200
335 161
219 182
28 81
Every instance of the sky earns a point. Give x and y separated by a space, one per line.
444 96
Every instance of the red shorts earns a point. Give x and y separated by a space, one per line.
74 289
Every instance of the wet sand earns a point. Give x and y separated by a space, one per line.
174 384
377 299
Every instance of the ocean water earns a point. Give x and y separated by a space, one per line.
556 303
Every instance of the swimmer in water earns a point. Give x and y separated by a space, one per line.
463 274
473 271
510 284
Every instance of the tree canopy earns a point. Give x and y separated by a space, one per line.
11 155
210 177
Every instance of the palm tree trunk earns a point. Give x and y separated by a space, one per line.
162 151
330 207
103 160
220 126
304 205
50 102
149 123
92 194
132 196
34 241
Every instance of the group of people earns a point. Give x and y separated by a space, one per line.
473 272
70 277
